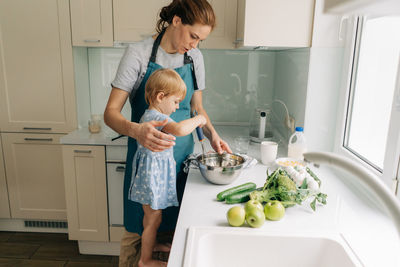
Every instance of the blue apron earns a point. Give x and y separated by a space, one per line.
133 211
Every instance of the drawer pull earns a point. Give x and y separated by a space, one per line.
120 169
37 128
82 151
91 41
38 139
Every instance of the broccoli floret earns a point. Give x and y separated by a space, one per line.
285 183
261 196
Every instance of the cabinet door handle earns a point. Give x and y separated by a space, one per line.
82 151
91 41
120 169
38 139
37 128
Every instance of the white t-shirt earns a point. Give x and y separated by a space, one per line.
133 65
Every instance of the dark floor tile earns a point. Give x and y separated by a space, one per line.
39 238
89 264
30 263
17 250
115 260
66 251
4 236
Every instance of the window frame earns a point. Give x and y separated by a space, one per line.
391 163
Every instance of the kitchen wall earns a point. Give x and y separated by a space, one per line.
237 81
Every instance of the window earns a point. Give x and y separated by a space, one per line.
373 87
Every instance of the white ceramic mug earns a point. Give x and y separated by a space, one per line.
269 150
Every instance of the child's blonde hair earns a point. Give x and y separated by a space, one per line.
165 81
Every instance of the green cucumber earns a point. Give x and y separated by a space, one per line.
240 197
240 188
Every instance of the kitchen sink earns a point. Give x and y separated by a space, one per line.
238 247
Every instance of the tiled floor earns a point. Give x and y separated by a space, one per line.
46 249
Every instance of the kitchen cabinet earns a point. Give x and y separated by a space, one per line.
34 170
86 192
240 23
135 20
91 22
4 204
36 69
275 23
376 7
132 22
224 34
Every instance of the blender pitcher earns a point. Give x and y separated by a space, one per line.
260 125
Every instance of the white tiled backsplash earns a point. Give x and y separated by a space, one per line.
237 81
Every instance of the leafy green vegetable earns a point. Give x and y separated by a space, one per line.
304 184
279 186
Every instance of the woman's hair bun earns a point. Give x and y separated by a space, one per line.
190 12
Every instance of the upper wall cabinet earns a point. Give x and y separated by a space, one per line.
224 34
240 23
275 23
37 91
91 22
371 7
135 20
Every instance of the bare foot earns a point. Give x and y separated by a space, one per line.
152 263
162 247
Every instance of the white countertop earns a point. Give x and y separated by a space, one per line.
350 213
84 137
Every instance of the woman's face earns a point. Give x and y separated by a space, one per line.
186 37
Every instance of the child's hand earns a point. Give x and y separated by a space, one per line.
202 120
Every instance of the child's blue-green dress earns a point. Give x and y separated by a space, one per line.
154 173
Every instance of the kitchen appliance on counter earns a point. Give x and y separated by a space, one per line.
260 125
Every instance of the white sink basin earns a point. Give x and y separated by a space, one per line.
227 246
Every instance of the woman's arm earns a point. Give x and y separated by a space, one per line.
145 133
184 127
217 143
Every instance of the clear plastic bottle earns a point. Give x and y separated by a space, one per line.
297 144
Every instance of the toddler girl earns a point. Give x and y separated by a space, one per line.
154 173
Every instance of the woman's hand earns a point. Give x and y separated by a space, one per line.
219 145
216 142
151 138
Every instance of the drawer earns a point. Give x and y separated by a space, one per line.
116 153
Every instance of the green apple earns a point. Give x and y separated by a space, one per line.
236 216
255 218
253 204
274 210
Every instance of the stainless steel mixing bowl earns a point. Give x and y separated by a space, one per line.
220 169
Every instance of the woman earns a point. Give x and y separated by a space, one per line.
182 25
